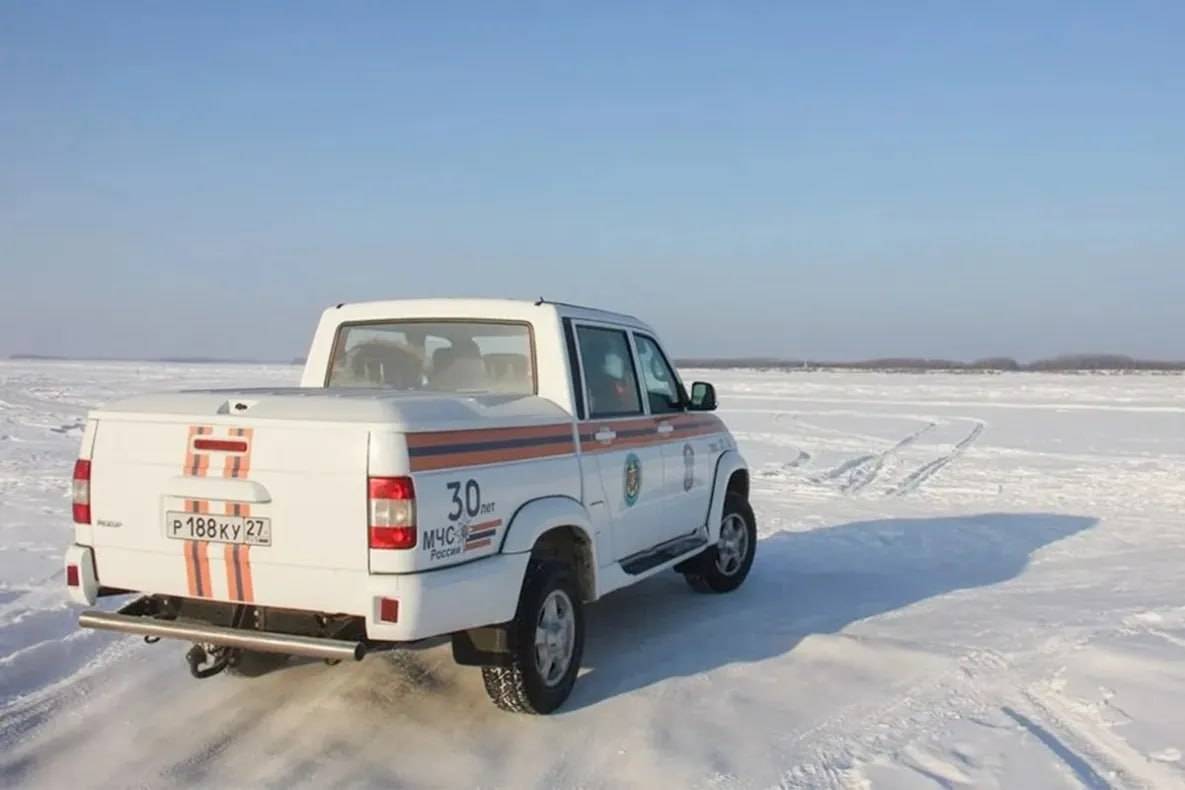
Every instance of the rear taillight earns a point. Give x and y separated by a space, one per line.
81 490
392 513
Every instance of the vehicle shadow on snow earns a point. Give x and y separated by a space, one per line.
802 583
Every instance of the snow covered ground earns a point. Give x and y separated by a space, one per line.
962 580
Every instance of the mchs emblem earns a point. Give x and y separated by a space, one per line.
633 478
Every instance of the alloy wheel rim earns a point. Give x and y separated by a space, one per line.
555 637
733 544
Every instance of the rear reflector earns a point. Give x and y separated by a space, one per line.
220 445
389 610
81 491
392 510
72 576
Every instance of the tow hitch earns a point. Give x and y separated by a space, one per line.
219 658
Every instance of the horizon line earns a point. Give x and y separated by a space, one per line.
1060 362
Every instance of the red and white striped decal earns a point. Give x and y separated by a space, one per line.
200 446
236 465
197 563
238 561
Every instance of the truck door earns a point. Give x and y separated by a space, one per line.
687 471
616 433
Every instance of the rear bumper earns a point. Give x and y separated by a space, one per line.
262 641
430 603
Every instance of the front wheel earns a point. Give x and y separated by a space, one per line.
547 643
723 567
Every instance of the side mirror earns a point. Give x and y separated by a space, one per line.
703 397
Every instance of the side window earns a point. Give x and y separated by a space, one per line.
662 388
608 372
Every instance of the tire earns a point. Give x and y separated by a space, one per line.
536 680
723 567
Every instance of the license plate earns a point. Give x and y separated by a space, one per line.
252 530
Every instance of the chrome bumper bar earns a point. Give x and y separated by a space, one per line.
262 641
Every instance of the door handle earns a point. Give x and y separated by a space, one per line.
665 428
605 435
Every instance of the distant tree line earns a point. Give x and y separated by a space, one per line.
171 360
1063 363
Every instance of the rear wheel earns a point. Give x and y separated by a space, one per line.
724 566
546 646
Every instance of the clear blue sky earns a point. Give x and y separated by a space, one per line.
828 179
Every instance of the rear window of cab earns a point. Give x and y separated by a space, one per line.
434 355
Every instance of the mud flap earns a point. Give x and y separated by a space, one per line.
483 647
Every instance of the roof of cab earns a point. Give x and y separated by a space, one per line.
517 309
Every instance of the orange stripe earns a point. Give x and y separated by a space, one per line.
619 444
438 438
204 569
238 572
237 561
237 465
201 587
690 433
245 459
450 460
191 573
230 559
619 425
188 468
196 578
685 425
230 462
645 422
191 569
245 570
679 421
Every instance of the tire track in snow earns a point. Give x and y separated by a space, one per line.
861 471
1082 769
920 475
1083 736
801 458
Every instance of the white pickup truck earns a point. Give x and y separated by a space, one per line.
471 469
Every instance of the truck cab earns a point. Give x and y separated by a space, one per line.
477 470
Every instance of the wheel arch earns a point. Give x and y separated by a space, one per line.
558 528
732 476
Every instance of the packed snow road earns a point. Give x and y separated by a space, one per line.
962 580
